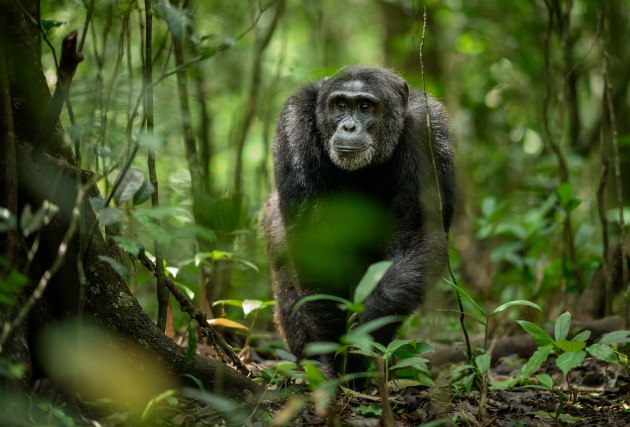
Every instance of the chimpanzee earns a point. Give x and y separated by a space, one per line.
357 170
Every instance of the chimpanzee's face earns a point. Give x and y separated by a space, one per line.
355 112
360 118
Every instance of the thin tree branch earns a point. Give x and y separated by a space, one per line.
254 89
462 315
200 317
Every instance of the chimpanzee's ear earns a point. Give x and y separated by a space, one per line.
405 93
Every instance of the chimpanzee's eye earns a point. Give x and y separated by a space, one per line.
365 106
340 104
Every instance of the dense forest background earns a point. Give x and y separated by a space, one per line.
170 116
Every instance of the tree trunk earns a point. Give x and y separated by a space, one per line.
36 169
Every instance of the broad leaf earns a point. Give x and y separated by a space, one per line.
396 344
317 348
570 346
616 337
545 380
370 279
131 246
129 184
582 336
509 304
482 362
250 305
535 361
603 352
563 323
144 192
110 215
418 363
569 360
541 337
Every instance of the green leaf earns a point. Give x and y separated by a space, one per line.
162 396
317 348
369 411
222 256
509 304
370 279
582 336
129 184
30 223
570 346
285 355
569 360
250 305
603 352
418 363
11 285
616 337
120 269
545 380
144 193
535 361
563 323
110 215
48 24
231 302
131 246
318 297
464 294
482 362
396 344
540 336
375 324
565 192
312 374
573 203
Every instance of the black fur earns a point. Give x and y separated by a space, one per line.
336 208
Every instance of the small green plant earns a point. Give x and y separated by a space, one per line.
570 353
481 364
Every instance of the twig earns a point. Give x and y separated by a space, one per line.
387 416
250 105
199 316
196 60
438 187
8 164
162 291
601 191
555 147
70 59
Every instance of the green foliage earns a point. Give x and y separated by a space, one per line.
570 353
369 410
31 222
11 284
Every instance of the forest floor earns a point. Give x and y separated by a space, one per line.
598 394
